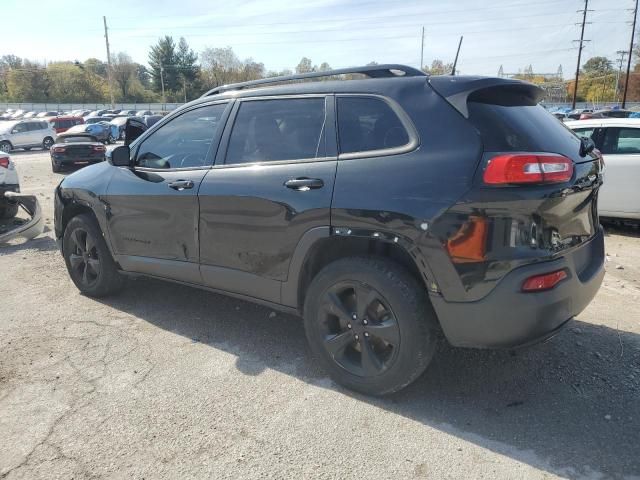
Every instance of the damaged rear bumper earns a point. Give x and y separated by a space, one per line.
31 228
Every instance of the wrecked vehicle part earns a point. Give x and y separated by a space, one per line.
29 229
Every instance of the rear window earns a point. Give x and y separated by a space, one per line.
520 128
366 124
77 139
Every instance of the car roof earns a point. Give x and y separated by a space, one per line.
605 122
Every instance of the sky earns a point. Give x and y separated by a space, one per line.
278 33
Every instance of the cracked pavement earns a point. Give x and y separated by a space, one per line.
163 381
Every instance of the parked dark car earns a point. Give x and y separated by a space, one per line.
73 149
382 210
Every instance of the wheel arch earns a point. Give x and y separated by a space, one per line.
319 247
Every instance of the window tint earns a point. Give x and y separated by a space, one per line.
183 142
366 124
269 130
21 127
621 141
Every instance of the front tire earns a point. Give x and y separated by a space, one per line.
88 259
370 323
5 147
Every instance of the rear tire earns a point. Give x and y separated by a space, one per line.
47 142
88 259
378 346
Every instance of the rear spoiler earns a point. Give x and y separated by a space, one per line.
498 91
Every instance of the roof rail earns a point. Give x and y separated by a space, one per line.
371 71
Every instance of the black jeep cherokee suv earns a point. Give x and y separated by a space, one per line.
382 209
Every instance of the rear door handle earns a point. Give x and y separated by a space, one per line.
304 184
181 185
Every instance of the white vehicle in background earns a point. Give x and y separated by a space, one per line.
618 139
11 201
8 183
26 134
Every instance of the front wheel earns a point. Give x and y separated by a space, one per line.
88 259
5 147
370 324
47 142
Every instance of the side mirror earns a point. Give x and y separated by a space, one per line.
120 156
132 130
587 145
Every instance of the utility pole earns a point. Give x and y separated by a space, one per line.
580 47
106 38
422 50
184 86
621 55
455 62
162 82
633 32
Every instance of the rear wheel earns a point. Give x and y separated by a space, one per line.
88 259
55 167
47 142
370 324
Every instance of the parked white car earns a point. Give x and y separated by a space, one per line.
26 134
618 139
8 183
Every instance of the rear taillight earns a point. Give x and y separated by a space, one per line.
4 162
519 168
59 149
547 281
99 148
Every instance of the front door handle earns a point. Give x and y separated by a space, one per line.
304 184
181 185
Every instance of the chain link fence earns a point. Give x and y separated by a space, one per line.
64 107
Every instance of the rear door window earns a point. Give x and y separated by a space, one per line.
368 124
276 130
621 141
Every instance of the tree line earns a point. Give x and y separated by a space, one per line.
176 73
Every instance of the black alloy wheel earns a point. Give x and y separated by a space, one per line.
361 332
84 258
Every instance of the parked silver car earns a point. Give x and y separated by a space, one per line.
26 134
